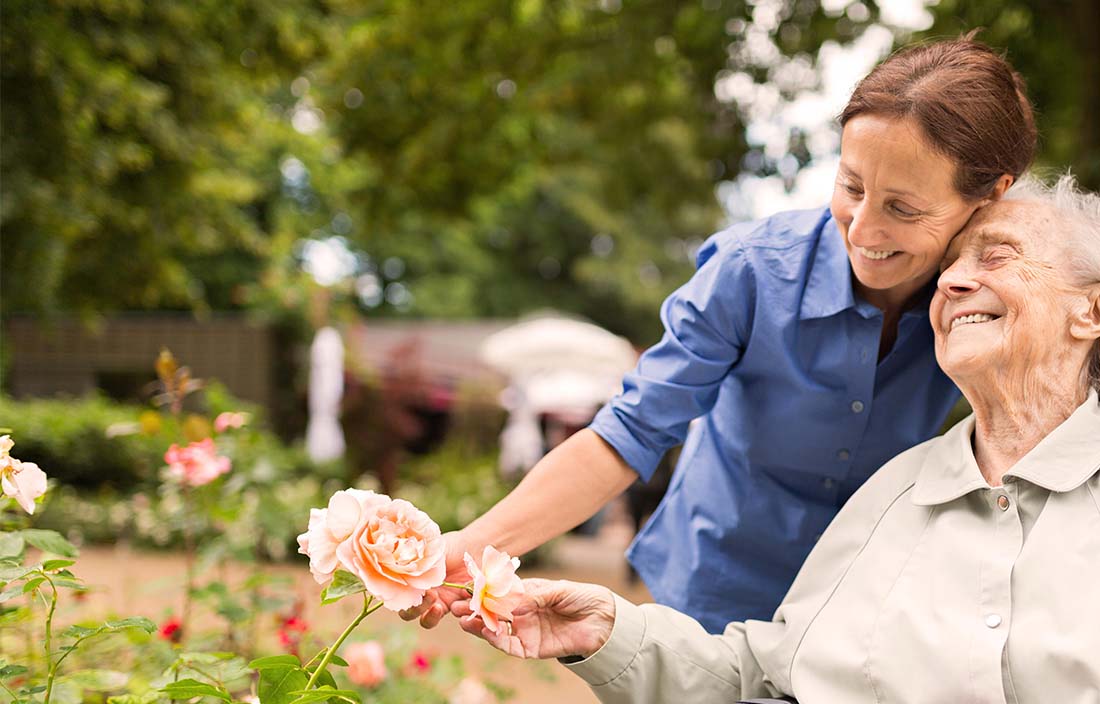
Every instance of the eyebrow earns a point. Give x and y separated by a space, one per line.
986 236
848 171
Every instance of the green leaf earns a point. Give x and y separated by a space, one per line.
275 661
276 684
49 541
31 584
11 592
51 565
187 688
66 583
99 680
133 622
10 573
76 631
11 543
147 697
343 584
11 671
322 694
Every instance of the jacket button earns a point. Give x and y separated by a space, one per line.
992 620
1003 502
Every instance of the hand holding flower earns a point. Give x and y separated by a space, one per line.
550 619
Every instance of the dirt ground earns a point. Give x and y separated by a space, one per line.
110 571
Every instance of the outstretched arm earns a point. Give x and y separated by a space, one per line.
564 489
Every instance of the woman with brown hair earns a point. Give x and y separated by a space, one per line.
802 345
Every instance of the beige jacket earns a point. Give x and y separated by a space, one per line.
930 586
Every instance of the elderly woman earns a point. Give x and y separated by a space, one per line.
966 569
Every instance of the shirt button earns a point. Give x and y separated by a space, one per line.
827 483
1003 502
857 406
992 620
843 455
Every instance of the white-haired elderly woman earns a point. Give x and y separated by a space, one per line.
967 568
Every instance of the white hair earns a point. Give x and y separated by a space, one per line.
1080 212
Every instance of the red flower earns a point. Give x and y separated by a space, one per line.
421 662
291 630
172 630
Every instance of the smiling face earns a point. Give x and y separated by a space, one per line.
1004 301
896 206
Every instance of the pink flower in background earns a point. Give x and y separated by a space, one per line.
366 663
291 630
328 527
397 551
497 589
420 662
230 419
197 464
471 691
22 481
171 630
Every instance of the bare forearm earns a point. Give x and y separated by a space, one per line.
566 487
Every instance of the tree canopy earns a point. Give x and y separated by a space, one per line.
481 158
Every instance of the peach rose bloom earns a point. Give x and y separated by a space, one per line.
366 663
397 551
197 464
497 589
328 527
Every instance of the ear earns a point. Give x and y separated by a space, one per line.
999 189
1085 322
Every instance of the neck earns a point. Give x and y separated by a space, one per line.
891 301
1013 412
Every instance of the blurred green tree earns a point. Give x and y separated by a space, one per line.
1055 45
139 151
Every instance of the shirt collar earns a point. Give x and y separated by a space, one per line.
1062 461
829 288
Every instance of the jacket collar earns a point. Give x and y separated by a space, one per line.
1062 461
829 287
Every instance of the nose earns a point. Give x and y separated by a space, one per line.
957 280
861 229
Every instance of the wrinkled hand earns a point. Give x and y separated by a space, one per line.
555 619
438 601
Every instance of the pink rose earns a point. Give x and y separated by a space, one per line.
397 551
22 481
230 419
328 527
197 464
366 663
497 589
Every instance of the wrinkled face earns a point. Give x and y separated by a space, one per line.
1004 297
895 204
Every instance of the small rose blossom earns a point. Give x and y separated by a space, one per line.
197 464
366 663
420 662
497 589
328 527
230 419
171 630
22 481
397 551
471 691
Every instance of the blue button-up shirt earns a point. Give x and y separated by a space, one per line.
770 349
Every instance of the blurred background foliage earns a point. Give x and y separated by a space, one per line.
463 159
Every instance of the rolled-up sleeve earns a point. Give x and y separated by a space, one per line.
656 654
707 323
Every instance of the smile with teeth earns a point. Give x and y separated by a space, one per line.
877 254
973 318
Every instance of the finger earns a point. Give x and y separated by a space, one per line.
433 615
473 625
461 608
414 612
